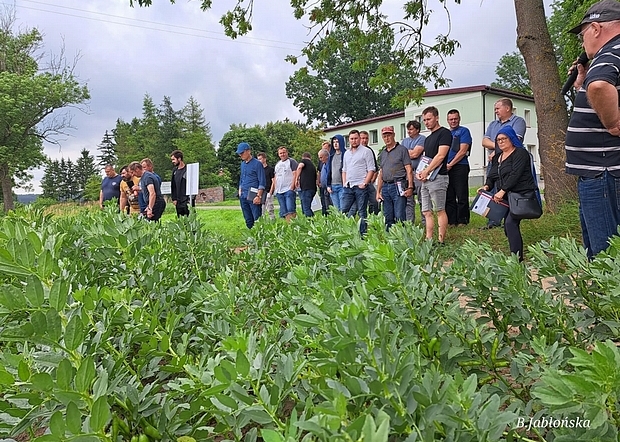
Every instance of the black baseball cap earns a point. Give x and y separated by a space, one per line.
600 12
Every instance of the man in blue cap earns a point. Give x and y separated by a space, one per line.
251 185
593 133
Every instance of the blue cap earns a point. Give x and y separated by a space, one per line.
242 147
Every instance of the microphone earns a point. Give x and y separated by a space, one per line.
582 60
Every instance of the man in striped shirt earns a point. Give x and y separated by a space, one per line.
593 133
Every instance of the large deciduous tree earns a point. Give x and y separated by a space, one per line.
512 74
337 89
29 97
366 20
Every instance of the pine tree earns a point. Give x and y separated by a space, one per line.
51 181
85 168
196 143
108 151
169 132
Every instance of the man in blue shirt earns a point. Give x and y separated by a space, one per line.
110 186
457 197
251 185
505 117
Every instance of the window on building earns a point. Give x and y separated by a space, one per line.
346 141
374 137
531 148
403 131
418 118
526 117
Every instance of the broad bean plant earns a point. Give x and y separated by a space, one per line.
113 329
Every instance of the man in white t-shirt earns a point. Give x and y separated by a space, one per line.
283 185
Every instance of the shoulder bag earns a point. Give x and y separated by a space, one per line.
524 205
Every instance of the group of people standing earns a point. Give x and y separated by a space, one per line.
138 188
434 167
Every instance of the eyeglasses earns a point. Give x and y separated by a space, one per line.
501 140
583 31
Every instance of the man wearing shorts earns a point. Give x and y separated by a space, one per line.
436 147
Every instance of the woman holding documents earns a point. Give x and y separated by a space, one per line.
515 175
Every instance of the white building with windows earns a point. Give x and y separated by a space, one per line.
476 106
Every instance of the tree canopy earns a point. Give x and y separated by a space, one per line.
29 96
512 74
163 129
367 24
297 137
342 86
64 180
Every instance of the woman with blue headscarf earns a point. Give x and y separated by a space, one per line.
515 175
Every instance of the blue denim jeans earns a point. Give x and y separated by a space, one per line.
394 205
599 211
306 197
360 197
287 202
337 191
251 212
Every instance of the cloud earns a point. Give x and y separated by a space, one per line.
179 51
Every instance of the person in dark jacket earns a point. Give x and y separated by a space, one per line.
321 178
334 178
178 184
515 175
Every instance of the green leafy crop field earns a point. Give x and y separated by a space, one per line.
113 329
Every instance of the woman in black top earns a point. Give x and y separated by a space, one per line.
515 175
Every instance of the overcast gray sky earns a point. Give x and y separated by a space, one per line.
180 51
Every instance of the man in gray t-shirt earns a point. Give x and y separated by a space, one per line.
395 182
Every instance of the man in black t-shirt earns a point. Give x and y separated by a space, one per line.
306 181
436 147
269 174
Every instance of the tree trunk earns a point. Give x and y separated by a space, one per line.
534 42
7 187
